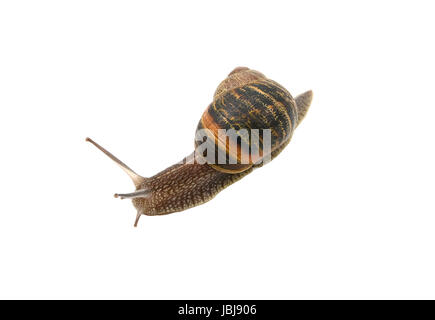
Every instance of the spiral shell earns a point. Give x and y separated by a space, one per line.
246 99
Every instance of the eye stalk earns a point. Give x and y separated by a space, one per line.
137 180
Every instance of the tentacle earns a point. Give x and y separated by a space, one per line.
137 179
139 214
142 193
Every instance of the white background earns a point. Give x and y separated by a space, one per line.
346 211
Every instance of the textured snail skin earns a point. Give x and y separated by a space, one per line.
186 185
246 99
183 186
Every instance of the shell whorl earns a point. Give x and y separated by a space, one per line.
246 99
239 77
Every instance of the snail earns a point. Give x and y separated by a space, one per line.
245 101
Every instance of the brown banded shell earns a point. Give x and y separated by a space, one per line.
246 99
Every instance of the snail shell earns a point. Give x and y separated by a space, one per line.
246 99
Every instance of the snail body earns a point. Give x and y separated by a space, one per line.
246 101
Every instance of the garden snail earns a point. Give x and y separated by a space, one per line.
245 101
